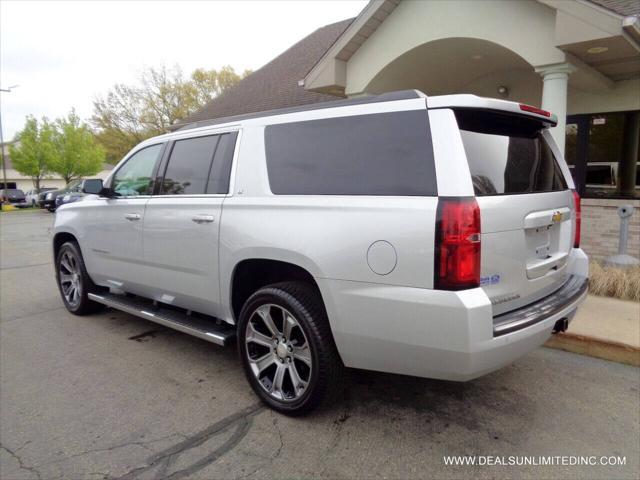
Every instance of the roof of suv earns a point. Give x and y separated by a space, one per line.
384 97
442 101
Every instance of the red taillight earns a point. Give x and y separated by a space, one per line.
532 109
457 252
576 202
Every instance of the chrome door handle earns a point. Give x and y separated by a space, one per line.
132 216
203 218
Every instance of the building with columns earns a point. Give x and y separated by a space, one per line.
579 59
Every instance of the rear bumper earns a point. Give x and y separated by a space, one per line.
431 333
571 292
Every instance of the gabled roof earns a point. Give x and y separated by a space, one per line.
276 84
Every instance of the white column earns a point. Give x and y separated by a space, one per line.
554 96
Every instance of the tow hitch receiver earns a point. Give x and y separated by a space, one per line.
561 325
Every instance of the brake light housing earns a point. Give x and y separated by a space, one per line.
578 208
457 247
536 110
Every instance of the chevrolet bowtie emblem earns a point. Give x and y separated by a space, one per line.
557 217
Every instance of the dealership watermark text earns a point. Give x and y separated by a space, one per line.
524 460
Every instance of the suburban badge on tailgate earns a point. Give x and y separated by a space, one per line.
504 298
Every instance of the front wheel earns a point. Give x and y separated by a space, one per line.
73 280
287 349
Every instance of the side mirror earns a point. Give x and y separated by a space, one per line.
95 187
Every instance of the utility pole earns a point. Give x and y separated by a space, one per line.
4 168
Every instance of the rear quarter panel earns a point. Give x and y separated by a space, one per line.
329 236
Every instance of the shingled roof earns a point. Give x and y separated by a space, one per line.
276 84
621 7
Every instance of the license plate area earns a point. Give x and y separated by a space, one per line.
547 237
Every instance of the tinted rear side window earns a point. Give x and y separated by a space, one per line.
507 155
189 165
221 168
377 154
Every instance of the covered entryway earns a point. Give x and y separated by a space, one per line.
574 59
531 51
466 65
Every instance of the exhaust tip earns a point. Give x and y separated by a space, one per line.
561 325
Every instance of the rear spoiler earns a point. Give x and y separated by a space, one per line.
482 103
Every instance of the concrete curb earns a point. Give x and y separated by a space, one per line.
596 347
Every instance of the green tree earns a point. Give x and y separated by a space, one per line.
129 114
34 152
205 85
77 154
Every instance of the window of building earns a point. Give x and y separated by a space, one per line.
602 153
377 154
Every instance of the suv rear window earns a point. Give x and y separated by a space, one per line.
507 154
376 154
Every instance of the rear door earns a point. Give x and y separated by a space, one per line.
182 223
526 206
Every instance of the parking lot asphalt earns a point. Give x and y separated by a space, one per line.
114 396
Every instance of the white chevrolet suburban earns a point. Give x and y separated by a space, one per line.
435 237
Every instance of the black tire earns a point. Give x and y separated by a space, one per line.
326 377
83 306
51 209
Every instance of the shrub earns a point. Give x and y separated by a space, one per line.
615 282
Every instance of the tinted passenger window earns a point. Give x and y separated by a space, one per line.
189 165
507 155
377 154
221 168
135 177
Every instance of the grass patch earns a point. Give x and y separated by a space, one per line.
20 210
614 282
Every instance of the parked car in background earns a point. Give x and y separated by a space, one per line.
50 197
68 198
15 197
33 195
42 195
436 237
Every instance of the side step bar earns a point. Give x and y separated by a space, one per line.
201 326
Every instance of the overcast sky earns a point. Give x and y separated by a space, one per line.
63 54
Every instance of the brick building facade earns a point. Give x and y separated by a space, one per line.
601 227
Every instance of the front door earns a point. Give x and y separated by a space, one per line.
182 223
113 232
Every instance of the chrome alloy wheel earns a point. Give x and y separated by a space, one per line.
70 278
278 352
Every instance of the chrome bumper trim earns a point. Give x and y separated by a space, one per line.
567 296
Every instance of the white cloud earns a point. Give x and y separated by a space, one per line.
62 54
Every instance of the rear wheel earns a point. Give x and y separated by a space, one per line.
287 349
73 281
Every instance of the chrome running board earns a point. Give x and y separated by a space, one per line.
201 326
